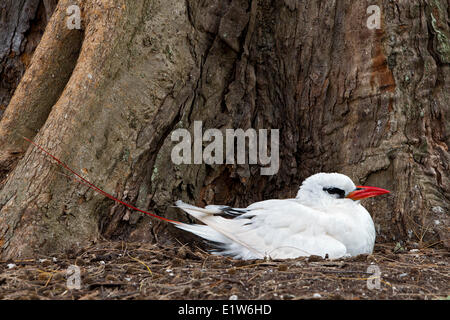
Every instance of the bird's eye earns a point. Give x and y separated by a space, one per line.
337 191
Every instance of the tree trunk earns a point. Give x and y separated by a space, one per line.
21 32
370 103
21 27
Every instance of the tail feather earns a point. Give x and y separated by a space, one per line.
94 187
204 232
215 228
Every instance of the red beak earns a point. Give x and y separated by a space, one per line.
363 192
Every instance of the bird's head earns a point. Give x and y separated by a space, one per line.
322 187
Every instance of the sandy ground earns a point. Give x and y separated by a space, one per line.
120 270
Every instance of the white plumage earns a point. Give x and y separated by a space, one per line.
322 220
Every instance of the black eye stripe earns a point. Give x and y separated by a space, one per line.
337 191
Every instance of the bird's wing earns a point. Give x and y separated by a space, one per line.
274 228
216 228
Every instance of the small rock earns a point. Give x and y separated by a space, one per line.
233 297
282 267
438 209
317 295
10 265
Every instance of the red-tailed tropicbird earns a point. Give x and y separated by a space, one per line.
325 218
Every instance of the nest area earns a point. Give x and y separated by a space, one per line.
120 270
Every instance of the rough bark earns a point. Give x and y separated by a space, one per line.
22 25
368 103
28 112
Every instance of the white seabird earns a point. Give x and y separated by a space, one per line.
324 219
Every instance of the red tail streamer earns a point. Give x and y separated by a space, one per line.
94 187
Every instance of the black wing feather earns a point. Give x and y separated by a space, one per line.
229 212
